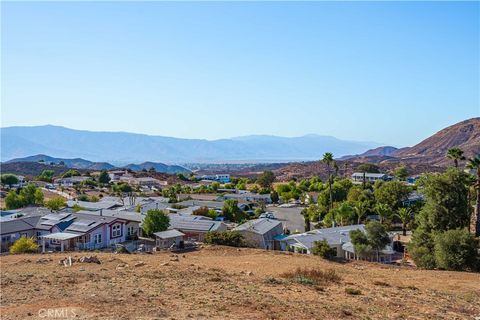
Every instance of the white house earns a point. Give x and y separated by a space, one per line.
260 233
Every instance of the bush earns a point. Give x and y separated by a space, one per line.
323 249
353 291
205 212
456 250
24 245
224 238
55 203
312 276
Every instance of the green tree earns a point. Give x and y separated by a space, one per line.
456 250
392 193
266 179
377 236
405 216
231 211
361 209
401 173
456 154
328 160
446 208
360 243
474 164
384 212
9 179
323 249
13 201
46 175
55 203
155 221
70 173
24 245
343 213
104 177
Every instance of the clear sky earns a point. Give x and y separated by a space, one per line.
377 71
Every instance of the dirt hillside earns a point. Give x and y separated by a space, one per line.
227 283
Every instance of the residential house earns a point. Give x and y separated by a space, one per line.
93 206
260 233
169 239
338 238
222 178
70 181
195 227
359 177
249 197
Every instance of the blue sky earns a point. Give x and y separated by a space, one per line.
378 71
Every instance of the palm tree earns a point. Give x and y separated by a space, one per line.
455 154
344 212
474 164
328 160
383 210
405 215
361 210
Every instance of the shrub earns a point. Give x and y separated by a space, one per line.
353 291
55 203
312 276
456 250
24 245
224 238
323 249
204 211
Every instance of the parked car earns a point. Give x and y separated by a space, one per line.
267 215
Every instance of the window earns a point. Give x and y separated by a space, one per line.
131 231
116 230
97 238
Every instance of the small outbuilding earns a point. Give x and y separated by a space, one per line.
169 239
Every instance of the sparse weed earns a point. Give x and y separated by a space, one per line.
312 276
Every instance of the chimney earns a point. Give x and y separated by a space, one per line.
101 213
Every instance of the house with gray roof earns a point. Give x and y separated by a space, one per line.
358 177
337 238
260 233
195 227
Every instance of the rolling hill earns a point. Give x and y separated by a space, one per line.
121 148
428 155
35 164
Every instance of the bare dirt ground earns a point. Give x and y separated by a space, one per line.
227 283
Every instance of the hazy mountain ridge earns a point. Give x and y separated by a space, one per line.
120 148
79 163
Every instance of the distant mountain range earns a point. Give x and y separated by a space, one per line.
79 163
120 148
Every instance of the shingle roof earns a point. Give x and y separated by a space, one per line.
19 224
125 215
93 205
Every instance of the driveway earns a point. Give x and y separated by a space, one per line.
290 217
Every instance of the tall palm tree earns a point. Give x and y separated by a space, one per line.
328 160
405 215
384 212
474 164
456 154
361 210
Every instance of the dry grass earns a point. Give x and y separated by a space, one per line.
224 283
310 276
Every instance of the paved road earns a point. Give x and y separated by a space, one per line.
290 217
